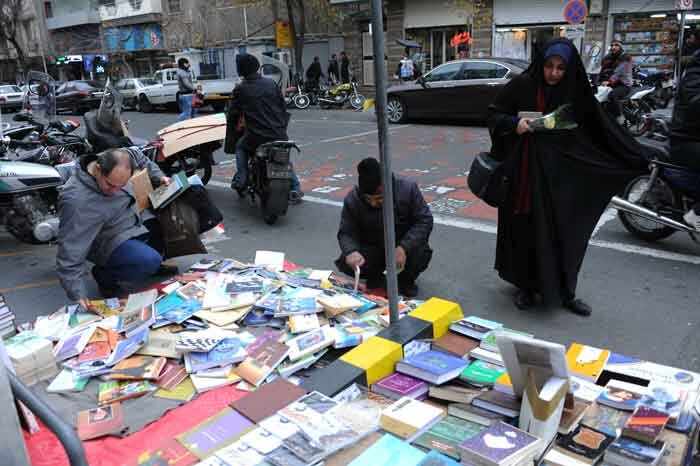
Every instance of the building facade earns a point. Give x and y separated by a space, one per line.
33 40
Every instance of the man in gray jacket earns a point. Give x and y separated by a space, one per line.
185 89
99 222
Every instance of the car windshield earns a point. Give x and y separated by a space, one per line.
9 89
86 85
516 62
147 81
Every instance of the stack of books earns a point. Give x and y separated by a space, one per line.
32 357
7 320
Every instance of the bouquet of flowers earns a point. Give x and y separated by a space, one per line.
561 118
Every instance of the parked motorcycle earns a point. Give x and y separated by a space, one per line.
338 95
663 84
652 206
270 176
298 95
634 107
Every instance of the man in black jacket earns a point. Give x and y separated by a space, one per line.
344 67
361 232
685 127
257 114
314 73
333 69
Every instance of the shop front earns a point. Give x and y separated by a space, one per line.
520 28
136 49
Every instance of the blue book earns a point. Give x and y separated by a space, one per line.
184 311
389 450
438 459
432 366
168 302
228 351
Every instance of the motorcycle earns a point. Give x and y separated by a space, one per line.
663 84
270 176
652 206
297 95
29 191
634 107
184 146
339 94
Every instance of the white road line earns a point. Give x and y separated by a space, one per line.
342 122
484 227
351 136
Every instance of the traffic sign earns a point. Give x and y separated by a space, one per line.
283 34
575 12
684 4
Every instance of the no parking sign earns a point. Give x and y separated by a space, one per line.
575 12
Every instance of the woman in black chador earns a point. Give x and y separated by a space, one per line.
558 182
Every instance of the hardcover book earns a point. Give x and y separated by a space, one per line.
268 399
499 444
432 366
447 435
408 418
475 327
398 385
645 424
215 433
97 422
455 344
482 373
259 365
585 444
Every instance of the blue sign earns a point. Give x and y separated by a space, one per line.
131 38
575 12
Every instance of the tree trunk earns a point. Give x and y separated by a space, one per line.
297 39
20 53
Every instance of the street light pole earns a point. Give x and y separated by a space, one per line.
380 82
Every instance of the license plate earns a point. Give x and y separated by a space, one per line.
666 84
277 172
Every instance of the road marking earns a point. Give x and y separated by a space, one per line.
608 215
27 286
335 122
490 228
16 253
351 136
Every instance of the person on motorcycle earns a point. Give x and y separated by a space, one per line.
185 89
361 231
685 127
256 115
616 73
98 222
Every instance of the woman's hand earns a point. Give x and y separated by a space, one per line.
523 126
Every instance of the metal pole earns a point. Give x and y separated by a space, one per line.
380 82
681 39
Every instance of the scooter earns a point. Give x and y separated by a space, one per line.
652 206
270 176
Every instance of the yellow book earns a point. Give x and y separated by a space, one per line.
585 361
183 392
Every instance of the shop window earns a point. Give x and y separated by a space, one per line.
48 10
484 70
446 72
174 6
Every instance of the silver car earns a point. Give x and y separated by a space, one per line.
130 88
11 97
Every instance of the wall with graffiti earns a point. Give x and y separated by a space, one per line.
134 37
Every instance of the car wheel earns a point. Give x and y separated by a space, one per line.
396 110
145 105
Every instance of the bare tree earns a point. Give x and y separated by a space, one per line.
10 20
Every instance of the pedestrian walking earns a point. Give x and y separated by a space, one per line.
405 70
559 182
344 67
333 70
185 89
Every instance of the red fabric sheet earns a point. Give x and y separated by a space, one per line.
45 449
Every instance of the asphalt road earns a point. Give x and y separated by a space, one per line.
646 297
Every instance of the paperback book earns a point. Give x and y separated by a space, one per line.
432 366
398 385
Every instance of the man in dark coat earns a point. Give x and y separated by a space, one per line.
361 232
333 69
314 73
344 67
559 182
257 114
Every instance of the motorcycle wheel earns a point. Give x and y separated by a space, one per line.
198 165
301 101
357 101
642 228
634 119
275 200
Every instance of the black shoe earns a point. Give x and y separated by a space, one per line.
295 196
408 290
524 300
165 269
578 306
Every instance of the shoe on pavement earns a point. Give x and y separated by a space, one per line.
578 306
408 290
692 219
524 300
295 196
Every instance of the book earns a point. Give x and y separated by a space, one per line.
352 333
204 384
621 395
585 361
100 421
128 346
303 323
455 344
114 391
645 424
161 343
184 391
172 374
268 399
338 303
181 313
474 327
482 373
668 398
279 426
31 356
168 452
242 453
584 444
486 356
66 383
193 343
302 447
138 368
389 450
499 444
488 342
408 418
454 393
584 390
555 457
215 433
619 365
398 385
142 186
288 368
258 365
228 351
447 435
676 448
165 194
434 458
498 402
99 350
192 290
605 419
284 457
571 417
432 366
310 342
272 259
73 343
629 452
475 414
138 312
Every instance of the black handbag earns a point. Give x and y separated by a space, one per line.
486 179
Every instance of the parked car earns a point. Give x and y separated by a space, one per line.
130 88
11 97
78 97
460 89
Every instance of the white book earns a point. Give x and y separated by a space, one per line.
486 355
240 453
310 342
65 383
73 343
271 259
408 418
279 426
262 440
303 323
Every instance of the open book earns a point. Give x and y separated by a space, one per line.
164 195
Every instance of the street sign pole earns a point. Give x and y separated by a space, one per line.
681 39
380 82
